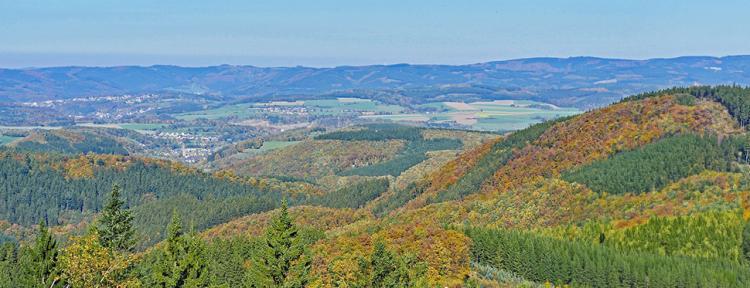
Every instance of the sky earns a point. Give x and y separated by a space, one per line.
325 33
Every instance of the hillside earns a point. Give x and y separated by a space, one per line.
651 191
667 166
82 140
362 151
580 81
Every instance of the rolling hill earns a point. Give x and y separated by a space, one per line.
582 82
651 191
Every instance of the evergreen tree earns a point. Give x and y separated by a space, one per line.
39 262
387 270
181 262
281 261
8 264
115 226
746 241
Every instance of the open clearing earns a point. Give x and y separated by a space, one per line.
498 115
7 139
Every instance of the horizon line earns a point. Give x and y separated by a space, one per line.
363 65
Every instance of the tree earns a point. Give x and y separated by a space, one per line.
181 262
115 226
387 269
281 261
86 263
746 241
39 264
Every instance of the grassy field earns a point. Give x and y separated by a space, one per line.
6 139
141 126
349 105
272 145
245 110
500 115
129 126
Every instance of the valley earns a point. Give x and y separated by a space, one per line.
639 184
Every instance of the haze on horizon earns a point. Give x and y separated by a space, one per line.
332 33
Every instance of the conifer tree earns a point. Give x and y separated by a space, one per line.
384 264
181 263
39 265
281 261
115 226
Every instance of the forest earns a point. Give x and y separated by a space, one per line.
653 191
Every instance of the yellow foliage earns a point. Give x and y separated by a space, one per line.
87 264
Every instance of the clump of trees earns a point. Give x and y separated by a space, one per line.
735 98
542 259
655 165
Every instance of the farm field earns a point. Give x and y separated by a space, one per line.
129 126
6 139
500 115
333 107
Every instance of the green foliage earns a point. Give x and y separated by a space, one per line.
352 196
705 235
746 241
32 191
115 224
710 235
399 198
542 259
227 260
8 264
91 143
281 261
655 165
413 154
180 262
686 99
389 270
498 156
38 264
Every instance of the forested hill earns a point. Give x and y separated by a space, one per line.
71 189
579 81
653 191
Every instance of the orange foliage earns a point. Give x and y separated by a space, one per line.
546 202
600 133
322 218
455 169
446 253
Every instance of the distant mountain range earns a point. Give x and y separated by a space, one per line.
583 82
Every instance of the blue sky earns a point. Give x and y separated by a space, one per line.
347 32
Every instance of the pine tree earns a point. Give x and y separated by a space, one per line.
384 265
181 263
39 262
115 226
281 262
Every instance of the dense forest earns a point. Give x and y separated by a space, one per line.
653 166
542 259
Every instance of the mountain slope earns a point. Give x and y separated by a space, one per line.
578 81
